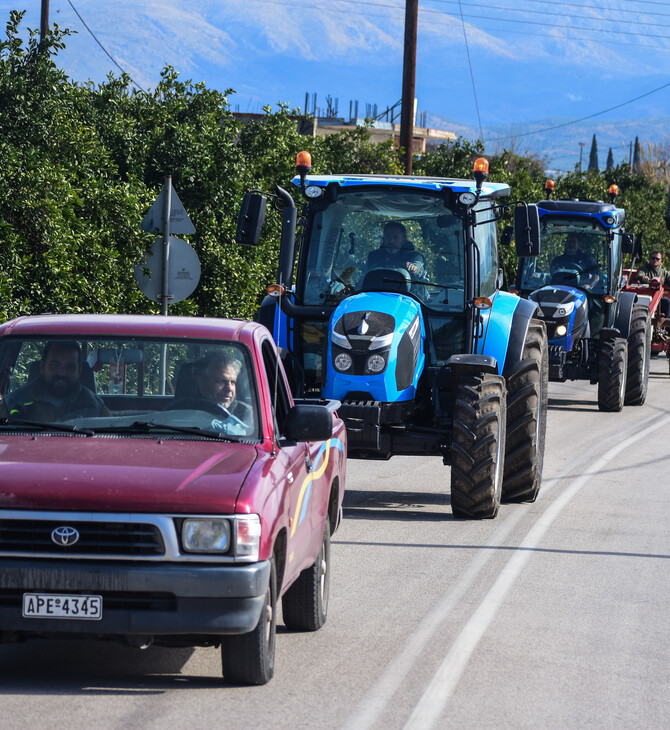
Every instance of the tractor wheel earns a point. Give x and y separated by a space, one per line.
527 399
612 366
478 446
639 352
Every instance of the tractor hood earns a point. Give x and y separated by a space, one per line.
375 348
565 312
122 474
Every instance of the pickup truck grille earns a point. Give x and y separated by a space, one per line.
30 537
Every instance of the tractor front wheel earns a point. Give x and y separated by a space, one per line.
527 401
478 446
612 368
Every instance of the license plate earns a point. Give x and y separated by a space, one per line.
54 605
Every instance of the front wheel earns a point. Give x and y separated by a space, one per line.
250 658
478 446
527 402
639 353
305 603
612 369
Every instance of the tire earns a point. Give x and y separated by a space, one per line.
478 446
612 367
527 402
639 354
305 603
250 658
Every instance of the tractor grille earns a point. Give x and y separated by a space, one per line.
102 539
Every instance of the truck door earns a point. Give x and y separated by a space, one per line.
295 472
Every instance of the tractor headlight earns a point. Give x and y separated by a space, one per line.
343 362
376 363
206 535
561 330
564 309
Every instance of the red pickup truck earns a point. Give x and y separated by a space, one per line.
158 483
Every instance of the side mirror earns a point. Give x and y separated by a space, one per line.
251 218
507 235
527 230
637 247
627 243
308 422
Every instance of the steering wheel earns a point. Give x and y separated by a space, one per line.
572 266
398 270
196 404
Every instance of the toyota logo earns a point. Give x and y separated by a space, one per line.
65 536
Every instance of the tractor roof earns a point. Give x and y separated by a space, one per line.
606 213
489 190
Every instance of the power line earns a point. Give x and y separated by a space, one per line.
103 48
472 76
583 119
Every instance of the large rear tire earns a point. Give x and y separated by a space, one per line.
639 354
527 400
478 446
612 367
305 603
250 658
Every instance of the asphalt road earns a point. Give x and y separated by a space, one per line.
553 615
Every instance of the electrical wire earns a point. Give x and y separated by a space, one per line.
472 76
103 48
582 119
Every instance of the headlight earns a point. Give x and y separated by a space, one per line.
343 362
561 330
248 536
564 309
376 363
202 535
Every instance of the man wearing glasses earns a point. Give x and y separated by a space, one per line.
653 269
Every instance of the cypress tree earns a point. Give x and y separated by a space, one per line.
610 160
593 157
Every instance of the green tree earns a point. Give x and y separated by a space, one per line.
593 156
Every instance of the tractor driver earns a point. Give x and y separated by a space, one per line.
573 255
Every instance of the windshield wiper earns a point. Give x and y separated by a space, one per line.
47 426
149 426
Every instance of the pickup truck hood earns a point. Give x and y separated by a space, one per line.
122 474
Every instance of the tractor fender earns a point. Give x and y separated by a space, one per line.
272 316
506 330
625 303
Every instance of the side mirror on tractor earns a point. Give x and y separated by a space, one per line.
527 230
507 236
627 243
251 218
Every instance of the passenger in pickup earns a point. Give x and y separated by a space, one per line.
57 393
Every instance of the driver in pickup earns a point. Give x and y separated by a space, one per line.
576 259
216 377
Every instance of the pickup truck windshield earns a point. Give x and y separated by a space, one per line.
115 384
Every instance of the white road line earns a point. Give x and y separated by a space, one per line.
434 700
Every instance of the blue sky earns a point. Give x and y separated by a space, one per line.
507 67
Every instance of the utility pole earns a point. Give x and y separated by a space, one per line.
581 152
44 21
408 82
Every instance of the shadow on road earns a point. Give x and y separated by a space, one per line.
95 668
388 505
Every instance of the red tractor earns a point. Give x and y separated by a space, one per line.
655 292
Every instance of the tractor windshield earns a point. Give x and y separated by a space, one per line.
574 253
366 240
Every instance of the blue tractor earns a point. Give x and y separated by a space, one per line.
596 331
396 310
